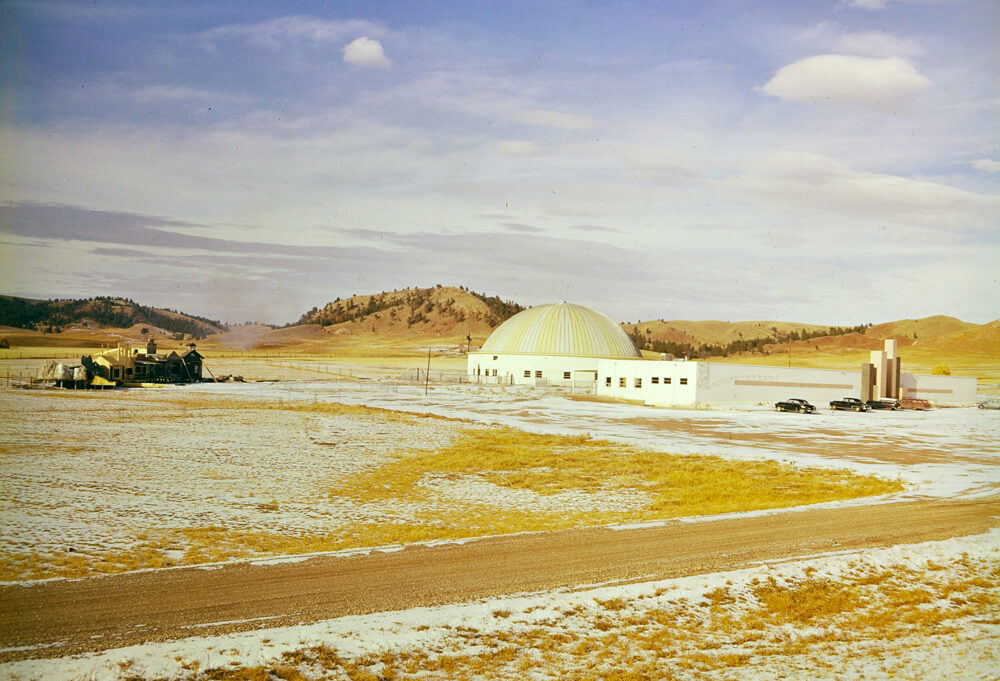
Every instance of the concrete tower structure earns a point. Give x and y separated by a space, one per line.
886 370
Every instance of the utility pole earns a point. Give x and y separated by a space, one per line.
427 378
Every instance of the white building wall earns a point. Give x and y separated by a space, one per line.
689 384
941 390
720 383
654 382
528 369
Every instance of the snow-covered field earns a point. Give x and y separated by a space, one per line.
90 478
924 611
113 460
100 475
942 452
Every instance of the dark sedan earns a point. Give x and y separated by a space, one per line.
849 404
884 403
795 404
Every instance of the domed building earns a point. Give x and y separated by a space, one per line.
553 344
571 345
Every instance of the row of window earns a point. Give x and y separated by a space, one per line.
655 380
622 382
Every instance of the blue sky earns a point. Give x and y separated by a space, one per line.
827 162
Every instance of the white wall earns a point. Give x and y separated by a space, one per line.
720 383
942 390
706 382
675 385
510 369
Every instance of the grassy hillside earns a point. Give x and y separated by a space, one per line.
922 329
443 309
973 350
383 324
57 316
700 339
400 324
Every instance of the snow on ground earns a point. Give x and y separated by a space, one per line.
937 453
118 455
74 468
105 476
921 611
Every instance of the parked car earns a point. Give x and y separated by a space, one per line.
991 403
795 404
849 404
883 403
914 403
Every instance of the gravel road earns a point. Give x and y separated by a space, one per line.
56 618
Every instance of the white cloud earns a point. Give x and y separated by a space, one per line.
876 44
866 4
845 78
515 148
555 119
366 52
986 164
828 187
276 33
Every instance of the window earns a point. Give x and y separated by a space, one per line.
607 381
654 380
494 372
538 374
638 383
684 381
666 380
565 375
621 382
527 373
494 358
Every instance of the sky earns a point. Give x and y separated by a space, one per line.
828 162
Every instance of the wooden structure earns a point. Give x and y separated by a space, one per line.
123 365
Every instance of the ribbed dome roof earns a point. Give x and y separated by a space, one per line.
561 329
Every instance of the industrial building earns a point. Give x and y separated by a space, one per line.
146 365
126 366
570 345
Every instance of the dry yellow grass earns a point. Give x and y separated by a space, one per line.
550 464
659 485
807 624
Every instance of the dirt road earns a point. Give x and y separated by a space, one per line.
57 618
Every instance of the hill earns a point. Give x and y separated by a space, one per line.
984 338
441 309
713 338
922 329
102 313
381 321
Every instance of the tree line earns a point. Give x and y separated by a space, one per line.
643 341
53 315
